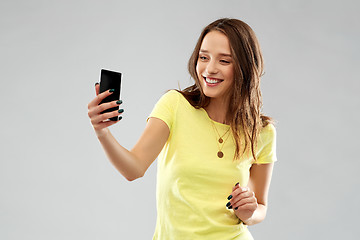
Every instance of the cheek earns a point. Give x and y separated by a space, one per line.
198 69
230 74
198 73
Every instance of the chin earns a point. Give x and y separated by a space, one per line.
211 93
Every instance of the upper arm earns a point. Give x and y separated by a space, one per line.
151 142
259 182
261 171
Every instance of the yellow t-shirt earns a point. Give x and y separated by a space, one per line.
192 182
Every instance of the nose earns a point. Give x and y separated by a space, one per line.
211 67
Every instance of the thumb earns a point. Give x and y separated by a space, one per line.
237 185
97 88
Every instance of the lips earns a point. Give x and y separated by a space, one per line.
212 81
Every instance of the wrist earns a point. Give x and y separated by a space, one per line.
247 221
257 216
102 132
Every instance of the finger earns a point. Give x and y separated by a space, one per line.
244 201
238 203
99 98
97 88
106 124
105 116
96 110
239 190
237 185
105 106
248 206
112 114
240 193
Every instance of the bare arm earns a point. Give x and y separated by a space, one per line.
260 178
131 164
250 203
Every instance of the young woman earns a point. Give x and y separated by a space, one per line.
215 148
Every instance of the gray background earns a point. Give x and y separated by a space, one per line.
55 181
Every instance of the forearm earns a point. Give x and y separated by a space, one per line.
258 215
122 159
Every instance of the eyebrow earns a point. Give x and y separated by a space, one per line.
221 54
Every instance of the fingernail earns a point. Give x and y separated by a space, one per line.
228 204
237 184
120 118
112 90
230 207
236 208
96 83
121 110
119 102
229 197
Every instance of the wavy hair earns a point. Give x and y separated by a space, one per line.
244 111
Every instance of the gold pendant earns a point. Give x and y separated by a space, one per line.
220 154
220 140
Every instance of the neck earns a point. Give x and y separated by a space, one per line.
217 110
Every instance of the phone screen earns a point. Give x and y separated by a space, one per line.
110 80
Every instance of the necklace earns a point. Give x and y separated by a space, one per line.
220 138
219 141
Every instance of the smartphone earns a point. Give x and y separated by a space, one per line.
110 80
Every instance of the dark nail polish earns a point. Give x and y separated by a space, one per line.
230 207
119 102
229 197
96 83
120 118
228 204
112 90
121 110
236 208
237 184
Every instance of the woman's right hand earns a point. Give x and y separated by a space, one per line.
100 121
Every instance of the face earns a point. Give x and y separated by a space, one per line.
214 67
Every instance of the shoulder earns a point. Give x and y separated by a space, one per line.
171 94
267 145
166 107
170 97
269 127
174 96
268 132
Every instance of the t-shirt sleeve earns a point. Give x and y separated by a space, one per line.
165 108
267 145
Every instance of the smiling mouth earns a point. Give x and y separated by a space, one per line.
212 80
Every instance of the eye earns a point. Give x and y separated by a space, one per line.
203 58
225 61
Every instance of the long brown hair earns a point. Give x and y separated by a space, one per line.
245 104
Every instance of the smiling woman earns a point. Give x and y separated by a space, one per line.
215 68
229 48
215 149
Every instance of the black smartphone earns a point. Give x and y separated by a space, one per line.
110 80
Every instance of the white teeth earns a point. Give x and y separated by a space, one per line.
209 80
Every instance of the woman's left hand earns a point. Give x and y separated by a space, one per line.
243 201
